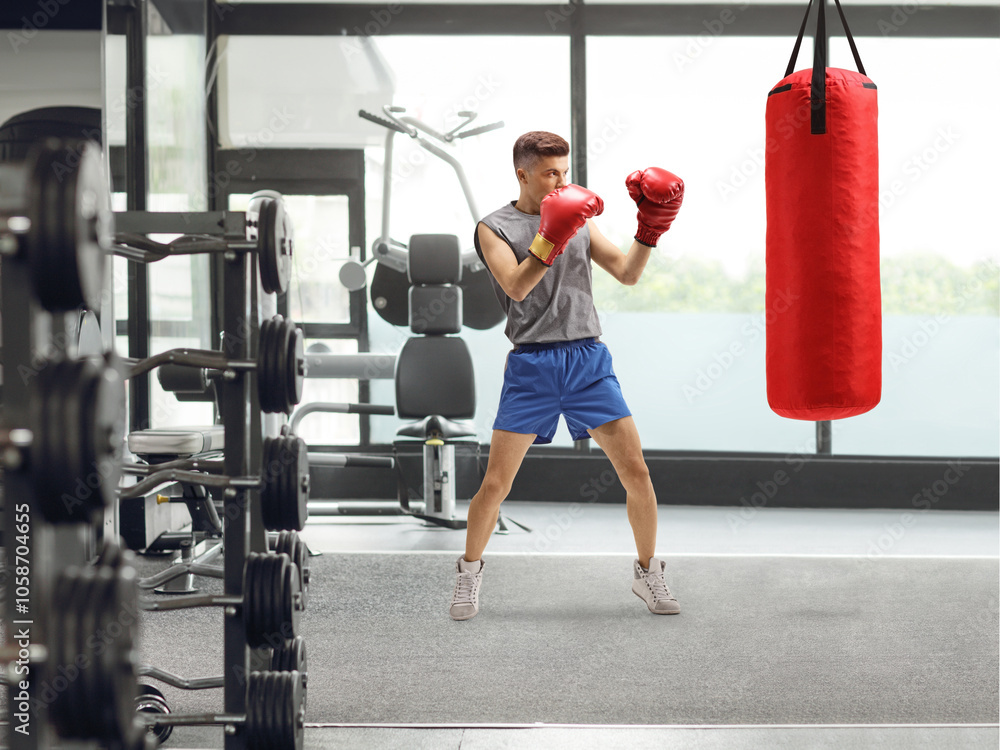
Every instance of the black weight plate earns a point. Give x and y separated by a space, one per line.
267 246
263 397
276 715
255 578
284 496
82 483
272 728
249 619
274 245
145 690
271 717
71 226
91 454
290 544
278 353
265 607
290 656
102 693
265 326
287 462
301 560
55 458
42 399
113 697
105 431
256 705
284 543
289 702
291 600
256 605
270 493
284 367
88 684
281 622
120 624
272 351
296 549
87 722
296 368
279 365
150 700
480 308
48 473
301 495
48 231
276 597
65 706
289 491
80 659
269 356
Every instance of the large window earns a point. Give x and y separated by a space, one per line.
689 339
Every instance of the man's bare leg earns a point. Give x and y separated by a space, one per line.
620 441
507 450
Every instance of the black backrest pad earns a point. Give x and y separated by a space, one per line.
435 309
435 259
434 375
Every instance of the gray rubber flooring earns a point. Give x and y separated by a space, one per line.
561 639
796 632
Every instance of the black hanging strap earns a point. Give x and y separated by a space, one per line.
802 30
817 101
798 42
850 40
818 86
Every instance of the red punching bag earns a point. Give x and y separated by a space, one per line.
823 299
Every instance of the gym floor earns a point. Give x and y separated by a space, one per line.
603 530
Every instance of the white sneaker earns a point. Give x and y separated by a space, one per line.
651 588
465 600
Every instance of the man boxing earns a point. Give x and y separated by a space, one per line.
538 250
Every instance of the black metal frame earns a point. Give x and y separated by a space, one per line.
590 19
137 191
745 480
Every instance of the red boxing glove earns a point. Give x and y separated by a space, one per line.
564 211
658 194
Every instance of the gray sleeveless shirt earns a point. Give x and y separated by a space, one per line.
561 306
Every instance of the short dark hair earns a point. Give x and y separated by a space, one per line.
535 145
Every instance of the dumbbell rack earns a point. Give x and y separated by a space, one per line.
244 534
63 414
54 220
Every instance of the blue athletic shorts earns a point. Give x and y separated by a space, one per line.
572 378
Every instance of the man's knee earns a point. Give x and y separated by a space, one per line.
494 490
634 474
